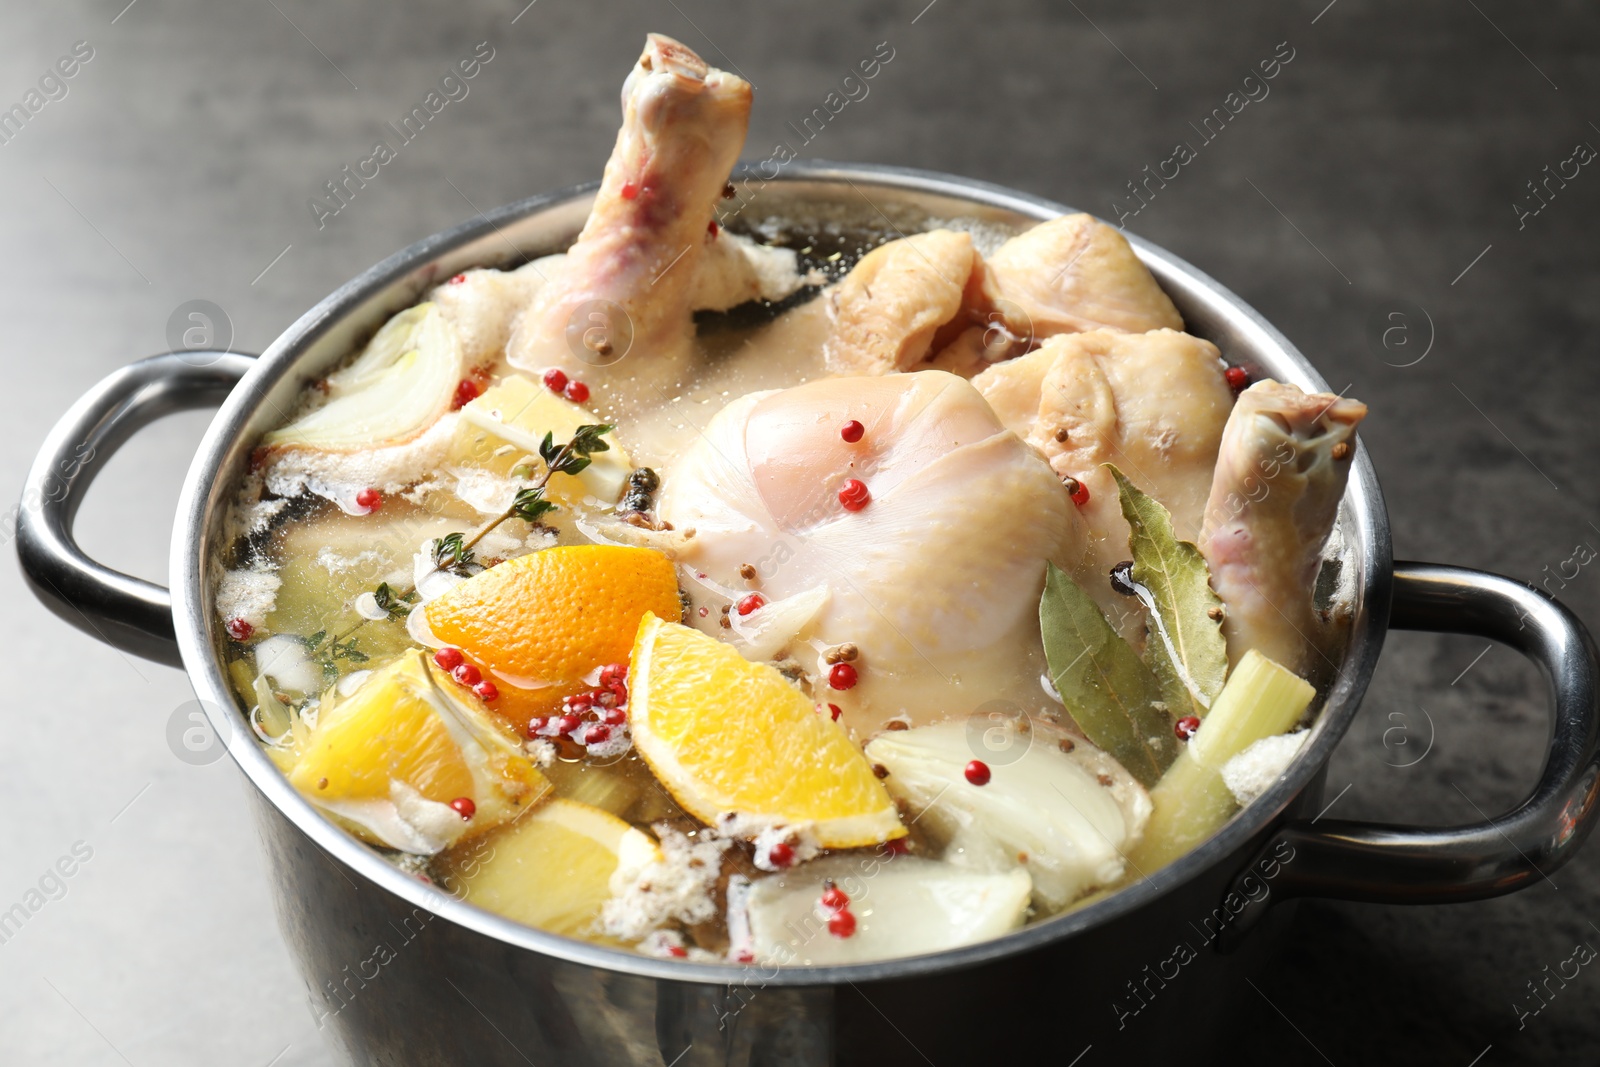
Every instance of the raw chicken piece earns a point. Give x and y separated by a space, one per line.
1074 273
736 270
887 310
1154 404
948 556
683 125
483 305
1281 471
930 301
978 347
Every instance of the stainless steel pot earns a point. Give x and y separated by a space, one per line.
401 973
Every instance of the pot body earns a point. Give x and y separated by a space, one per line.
398 972
452 995
391 983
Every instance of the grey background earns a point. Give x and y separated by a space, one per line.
1380 169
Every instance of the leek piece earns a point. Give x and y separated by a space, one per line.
271 714
243 677
1261 699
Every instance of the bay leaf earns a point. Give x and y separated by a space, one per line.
1186 649
1112 695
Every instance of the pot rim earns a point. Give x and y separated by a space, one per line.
1364 522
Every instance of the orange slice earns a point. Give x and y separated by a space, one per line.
724 734
541 622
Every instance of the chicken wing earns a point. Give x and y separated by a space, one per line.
1281 471
1154 404
889 308
1074 273
932 302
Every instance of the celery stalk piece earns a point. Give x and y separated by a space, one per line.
597 787
519 411
1190 803
1261 699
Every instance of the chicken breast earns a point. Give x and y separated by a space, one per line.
946 558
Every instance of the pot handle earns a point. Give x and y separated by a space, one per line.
1396 864
125 612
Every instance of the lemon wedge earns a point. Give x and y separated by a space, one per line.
518 411
390 758
724 734
551 868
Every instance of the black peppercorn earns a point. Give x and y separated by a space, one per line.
1122 578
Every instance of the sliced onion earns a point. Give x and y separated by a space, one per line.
368 608
428 579
417 626
670 543
907 906
351 682
405 820
399 386
1074 816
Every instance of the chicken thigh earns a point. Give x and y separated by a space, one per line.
1281 471
1154 404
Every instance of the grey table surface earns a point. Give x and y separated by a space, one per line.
1380 175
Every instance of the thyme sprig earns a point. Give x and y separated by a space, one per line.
395 604
529 504
450 553
453 553
325 653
